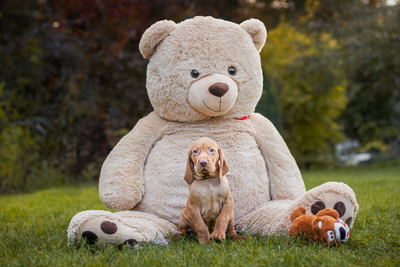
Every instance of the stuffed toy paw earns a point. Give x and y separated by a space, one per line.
325 226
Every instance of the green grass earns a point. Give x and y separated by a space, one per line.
34 231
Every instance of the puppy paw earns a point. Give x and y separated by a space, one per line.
204 241
238 237
217 236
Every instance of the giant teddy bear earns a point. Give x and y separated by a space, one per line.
204 79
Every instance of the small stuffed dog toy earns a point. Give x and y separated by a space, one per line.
325 226
209 207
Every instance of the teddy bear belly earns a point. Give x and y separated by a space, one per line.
166 191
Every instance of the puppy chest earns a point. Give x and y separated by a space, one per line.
210 195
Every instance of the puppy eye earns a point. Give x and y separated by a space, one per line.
232 71
212 150
331 235
195 74
195 151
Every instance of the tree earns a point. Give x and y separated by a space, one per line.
312 92
73 80
368 36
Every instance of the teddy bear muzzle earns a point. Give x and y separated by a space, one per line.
213 95
342 231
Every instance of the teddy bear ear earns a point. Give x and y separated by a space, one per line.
257 31
154 35
317 223
328 212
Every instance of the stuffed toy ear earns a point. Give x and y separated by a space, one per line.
300 211
223 164
328 212
257 31
154 35
189 169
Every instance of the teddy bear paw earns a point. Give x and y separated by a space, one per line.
103 230
341 198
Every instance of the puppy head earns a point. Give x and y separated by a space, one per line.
205 160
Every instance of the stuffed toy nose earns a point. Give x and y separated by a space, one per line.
342 233
218 89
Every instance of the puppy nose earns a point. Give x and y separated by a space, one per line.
218 89
203 162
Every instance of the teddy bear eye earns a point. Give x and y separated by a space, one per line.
331 235
232 71
195 74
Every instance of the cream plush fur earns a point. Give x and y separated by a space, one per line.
143 175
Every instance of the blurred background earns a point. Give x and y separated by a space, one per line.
72 80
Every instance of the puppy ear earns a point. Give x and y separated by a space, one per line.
328 212
189 169
257 31
154 35
223 164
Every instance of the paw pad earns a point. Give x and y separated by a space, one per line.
109 227
90 237
340 208
317 206
131 242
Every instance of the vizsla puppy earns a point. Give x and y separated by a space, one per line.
209 208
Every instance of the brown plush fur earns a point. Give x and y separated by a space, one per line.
319 228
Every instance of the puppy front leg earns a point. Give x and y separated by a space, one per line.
198 224
183 224
231 232
222 221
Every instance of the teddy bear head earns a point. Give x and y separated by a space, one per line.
329 228
203 67
325 226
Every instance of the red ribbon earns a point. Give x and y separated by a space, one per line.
244 118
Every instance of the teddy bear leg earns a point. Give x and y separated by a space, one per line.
125 227
274 217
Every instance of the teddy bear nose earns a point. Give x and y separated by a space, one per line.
218 89
342 233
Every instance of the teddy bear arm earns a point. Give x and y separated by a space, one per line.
121 179
284 175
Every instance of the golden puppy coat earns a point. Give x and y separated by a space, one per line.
210 203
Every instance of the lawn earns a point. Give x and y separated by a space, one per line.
34 231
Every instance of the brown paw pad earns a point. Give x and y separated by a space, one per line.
109 227
90 237
317 206
348 221
130 242
340 207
